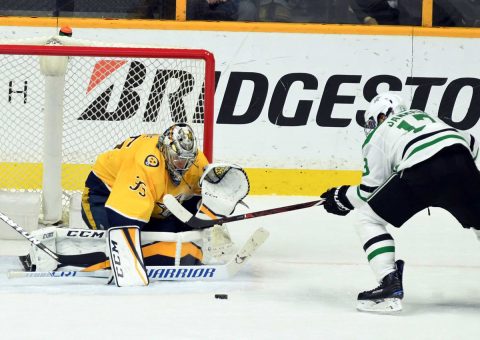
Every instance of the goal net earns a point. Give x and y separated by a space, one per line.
63 101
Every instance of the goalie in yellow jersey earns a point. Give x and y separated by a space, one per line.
127 184
124 193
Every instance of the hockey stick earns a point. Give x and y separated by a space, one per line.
172 273
69 260
186 217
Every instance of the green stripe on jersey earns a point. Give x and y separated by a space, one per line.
370 135
360 195
387 249
435 141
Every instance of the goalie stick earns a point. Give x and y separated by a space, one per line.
172 273
189 219
69 260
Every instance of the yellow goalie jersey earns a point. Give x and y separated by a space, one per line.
136 175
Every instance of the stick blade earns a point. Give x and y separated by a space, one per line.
250 247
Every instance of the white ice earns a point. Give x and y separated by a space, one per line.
302 284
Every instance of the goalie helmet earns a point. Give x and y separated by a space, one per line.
381 107
179 148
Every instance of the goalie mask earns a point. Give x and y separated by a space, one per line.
380 108
179 148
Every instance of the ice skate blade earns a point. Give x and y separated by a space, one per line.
383 306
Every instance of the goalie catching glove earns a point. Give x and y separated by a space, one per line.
223 187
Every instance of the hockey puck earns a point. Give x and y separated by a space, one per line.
221 296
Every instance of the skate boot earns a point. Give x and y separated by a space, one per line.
387 297
27 263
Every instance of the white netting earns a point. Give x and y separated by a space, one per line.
106 99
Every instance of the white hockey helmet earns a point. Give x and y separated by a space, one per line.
381 107
178 145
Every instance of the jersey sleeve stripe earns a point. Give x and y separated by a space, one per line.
419 138
367 188
360 195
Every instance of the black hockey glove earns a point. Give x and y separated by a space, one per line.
336 201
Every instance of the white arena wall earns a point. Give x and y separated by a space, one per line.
286 103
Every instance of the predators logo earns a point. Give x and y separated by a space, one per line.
220 171
151 161
216 174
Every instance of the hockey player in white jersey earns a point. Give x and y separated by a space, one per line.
412 161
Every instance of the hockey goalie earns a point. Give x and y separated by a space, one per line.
122 205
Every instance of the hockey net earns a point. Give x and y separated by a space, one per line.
63 101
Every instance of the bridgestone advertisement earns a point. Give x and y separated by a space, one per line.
295 101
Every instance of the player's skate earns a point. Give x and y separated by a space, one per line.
387 297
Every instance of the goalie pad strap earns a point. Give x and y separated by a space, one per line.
126 257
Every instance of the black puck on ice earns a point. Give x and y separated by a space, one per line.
221 296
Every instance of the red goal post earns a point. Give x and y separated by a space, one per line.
60 106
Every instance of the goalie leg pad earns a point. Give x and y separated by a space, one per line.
37 259
126 257
64 241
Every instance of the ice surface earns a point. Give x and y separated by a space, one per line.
302 284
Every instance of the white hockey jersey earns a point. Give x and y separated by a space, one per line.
401 141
